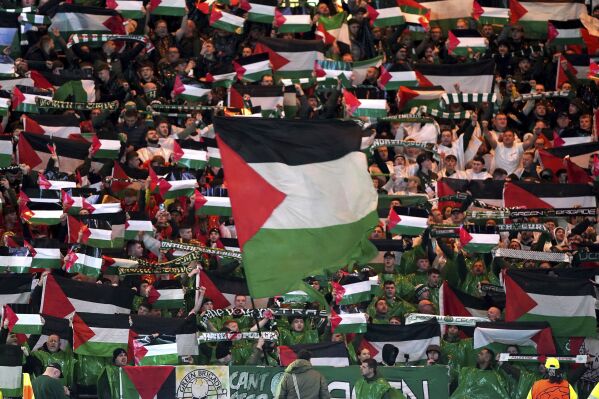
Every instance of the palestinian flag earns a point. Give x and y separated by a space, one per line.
23 99
190 154
576 174
22 323
348 322
130 9
568 304
15 288
262 11
190 90
263 157
7 70
9 35
579 65
396 76
533 15
4 105
580 154
334 28
78 90
11 371
492 12
176 188
408 221
252 68
134 226
419 96
166 294
100 334
174 8
16 260
521 333
105 149
6 151
350 293
84 259
226 21
41 213
71 18
213 152
223 76
133 382
373 108
101 231
57 185
460 41
177 337
52 125
478 239
291 23
324 354
222 290
291 59
45 253
72 199
475 77
565 32
549 195
411 340
265 97
62 297
453 302
417 17
212 205
34 150
384 13
51 325
445 13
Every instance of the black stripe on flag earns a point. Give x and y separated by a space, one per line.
485 189
491 3
292 142
465 33
515 325
146 325
252 59
14 284
120 321
569 24
52 325
64 147
258 91
104 220
55 120
292 45
98 293
535 283
323 349
485 67
411 211
36 193
191 145
394 333
578 60
556 190
11 356
229 285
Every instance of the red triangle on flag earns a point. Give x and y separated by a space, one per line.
70 259
87 206
55 303
199 200
335 319
115 24
31 126
276 60
27 154
422 80
327 38
254 199
26 213
67 201
595 165
177 152
477 10
81 332
517 11
215 15
239 70
43 182
279 19
139 351
30 248
96 145
286 355
544 341
11 316
17 98
351 102
592 42
465 237
11 243
245 5
153 295
550 161
557 140
516 196
148 380
39 81
118 173
178 86
111 4
405 94
318 71
452 42
576 174
23 198
373 14
452 305
552 33
212 292
338 292
393 219
203 6
364 344
518 302
384 78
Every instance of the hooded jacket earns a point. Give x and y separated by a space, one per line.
310 383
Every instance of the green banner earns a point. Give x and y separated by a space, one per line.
248 382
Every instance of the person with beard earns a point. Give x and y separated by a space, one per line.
553 385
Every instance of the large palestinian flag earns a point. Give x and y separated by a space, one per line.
15 288
549 195
71 18
411 340
97 334
475 77
568 304
521 333
291 59
453 302
534 14
53 125
33 150
323 354
302 185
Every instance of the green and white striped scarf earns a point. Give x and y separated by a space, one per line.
467 98
437 113
539 96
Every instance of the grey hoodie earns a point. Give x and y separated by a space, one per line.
310 383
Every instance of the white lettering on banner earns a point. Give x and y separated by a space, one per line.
246 381
341 386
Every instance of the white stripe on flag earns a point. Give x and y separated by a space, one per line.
82 306
115 335
100 234
485 336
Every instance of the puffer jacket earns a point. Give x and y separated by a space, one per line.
310 383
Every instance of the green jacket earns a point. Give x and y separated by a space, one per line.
310 383
48 388
376 388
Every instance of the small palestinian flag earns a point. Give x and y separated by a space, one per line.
4 106
154 352
97 334
348 322
212 205
22 323
45 253
478 239
23 99
134 226
15 260
190 154
384 13
417 17
166 294
534 14
291 59
419 96
101 231
268 98
463 41
565 32
262 11
475 77
579 66
351 293
492 12
175 8
396 76
372 108
41 213
226 21
57 185
522 333
6 151
292 23
71 18
193 91
105 149
214 155
252 68
35 151
7 70
408 220
324 354
53 125
176 188
15 288
223 76
333 28
130 9
567 303
11 371
411 340
84 259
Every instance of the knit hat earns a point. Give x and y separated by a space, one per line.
117 352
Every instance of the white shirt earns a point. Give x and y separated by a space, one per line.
471 175
506 158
